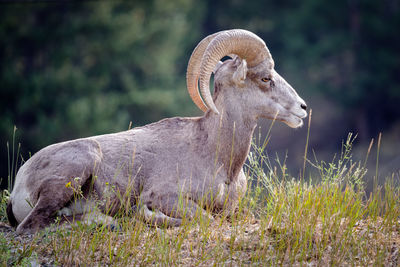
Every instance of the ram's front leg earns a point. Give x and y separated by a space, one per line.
171 210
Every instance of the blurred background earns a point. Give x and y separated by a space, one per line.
76 69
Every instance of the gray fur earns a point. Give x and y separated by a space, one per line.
198 160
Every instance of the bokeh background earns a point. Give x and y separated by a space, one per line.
76 69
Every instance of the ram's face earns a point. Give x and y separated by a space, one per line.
264 92
278 97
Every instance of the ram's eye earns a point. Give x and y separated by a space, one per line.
265 79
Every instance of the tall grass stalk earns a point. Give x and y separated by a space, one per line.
12 160
306 146
377 161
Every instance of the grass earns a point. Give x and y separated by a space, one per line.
327 219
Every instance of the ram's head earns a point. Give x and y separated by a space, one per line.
262 92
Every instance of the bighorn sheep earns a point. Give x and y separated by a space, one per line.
198 160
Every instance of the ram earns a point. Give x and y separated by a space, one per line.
174 166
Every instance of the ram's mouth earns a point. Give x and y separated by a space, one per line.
291 119
294 120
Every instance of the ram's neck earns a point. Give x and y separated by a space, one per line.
229 136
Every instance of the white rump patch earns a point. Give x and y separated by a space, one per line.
21 203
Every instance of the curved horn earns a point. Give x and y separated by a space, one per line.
193 70
243 43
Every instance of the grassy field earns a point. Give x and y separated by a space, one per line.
325 219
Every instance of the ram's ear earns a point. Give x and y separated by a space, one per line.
219 64
239 76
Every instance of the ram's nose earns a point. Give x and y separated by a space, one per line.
302 109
